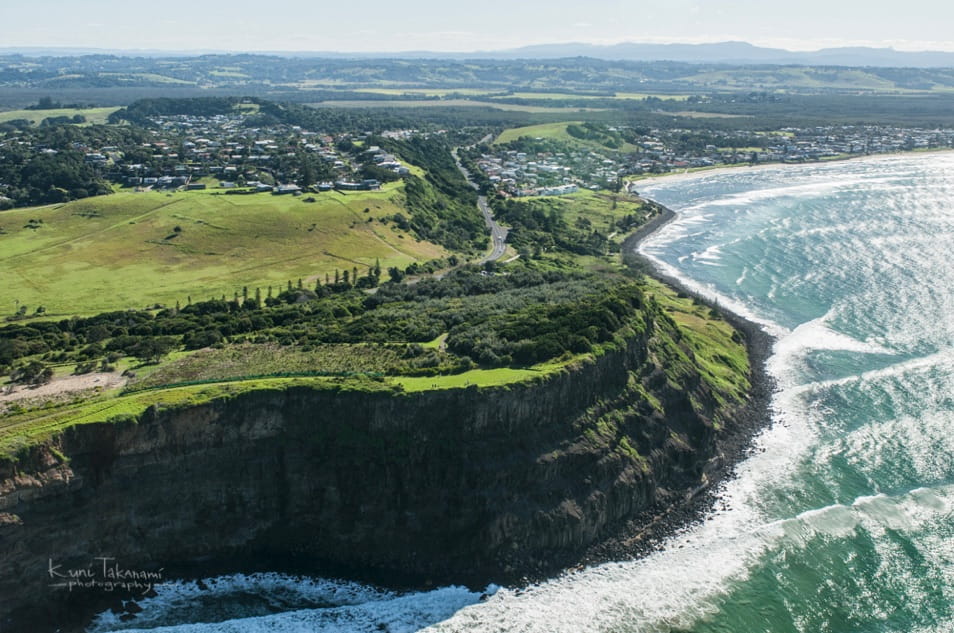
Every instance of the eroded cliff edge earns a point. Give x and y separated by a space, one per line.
448 485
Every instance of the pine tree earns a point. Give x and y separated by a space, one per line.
299 283
269 292
337 277
344 275
258 296
244 293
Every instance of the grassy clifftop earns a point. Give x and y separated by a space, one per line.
129 250
690 343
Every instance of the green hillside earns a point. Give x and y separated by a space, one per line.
124 250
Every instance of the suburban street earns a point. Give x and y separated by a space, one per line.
498 234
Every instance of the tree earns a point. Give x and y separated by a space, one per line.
152 349
396 274
32 373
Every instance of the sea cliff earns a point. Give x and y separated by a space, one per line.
357 478
463 485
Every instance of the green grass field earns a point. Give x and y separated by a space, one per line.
597 207
546 130
122 251
427 92
644 95
447 103
794 77
93 115
570 95
557 132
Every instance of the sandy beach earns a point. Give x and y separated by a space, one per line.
685 175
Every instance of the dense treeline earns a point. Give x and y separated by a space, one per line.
443 206
337 120
539 225
521 318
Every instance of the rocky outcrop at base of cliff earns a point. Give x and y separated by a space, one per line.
459 485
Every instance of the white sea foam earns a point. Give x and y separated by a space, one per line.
344 607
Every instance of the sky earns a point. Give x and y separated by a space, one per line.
445 25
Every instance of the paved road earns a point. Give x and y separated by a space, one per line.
498 234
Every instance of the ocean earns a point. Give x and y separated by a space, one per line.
841 520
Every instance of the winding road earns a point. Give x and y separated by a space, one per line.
498 234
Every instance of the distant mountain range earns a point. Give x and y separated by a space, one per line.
734 53
740 53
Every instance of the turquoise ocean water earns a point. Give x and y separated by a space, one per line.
842 520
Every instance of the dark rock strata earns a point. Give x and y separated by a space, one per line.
460 485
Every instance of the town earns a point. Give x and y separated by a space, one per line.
237 153
538 166
219 152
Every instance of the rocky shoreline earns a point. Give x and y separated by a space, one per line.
648 532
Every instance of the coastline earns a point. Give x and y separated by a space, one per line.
626 541
702 172
648 532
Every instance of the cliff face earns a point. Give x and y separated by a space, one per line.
442 485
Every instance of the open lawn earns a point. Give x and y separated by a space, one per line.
557 132
598 207
93 115
644 95
569 95
123 250
457 103
545 130
428 92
